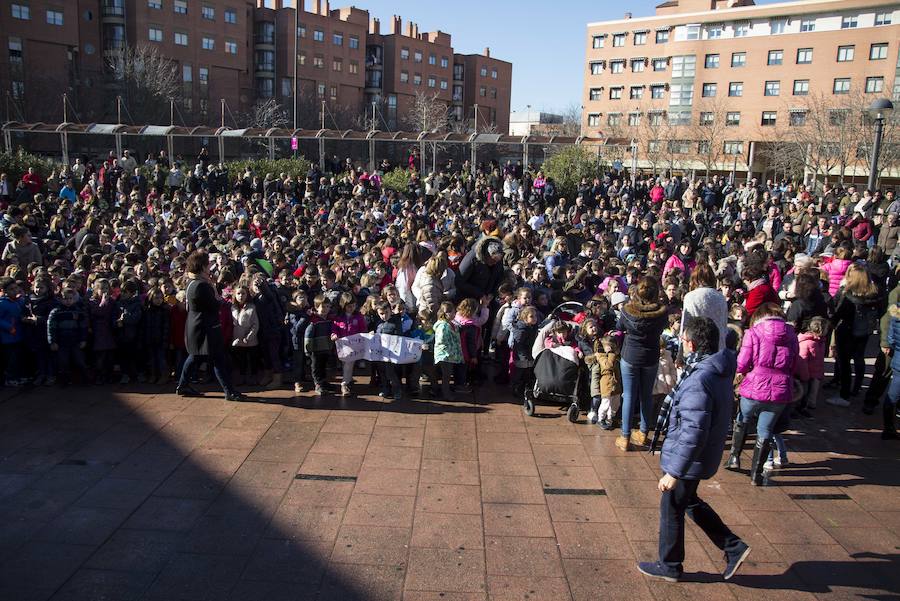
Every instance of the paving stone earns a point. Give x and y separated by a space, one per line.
289 561
83 525
299 522
442 570
394 436
388 481
512 489
380 510
372 545
362 583
167 513
447 531
592 540
517 520
136 551
449 498
527 588
39 568
193 577
409 458
437 471
97 585
521 556
329 464
507 464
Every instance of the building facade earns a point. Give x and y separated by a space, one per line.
723 83
242 52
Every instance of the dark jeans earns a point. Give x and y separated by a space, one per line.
672 507
69 356
637 389
319 367
219 364
849 349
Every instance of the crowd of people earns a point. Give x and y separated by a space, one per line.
99 260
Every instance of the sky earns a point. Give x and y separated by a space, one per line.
545 44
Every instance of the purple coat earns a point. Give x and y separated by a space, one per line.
768 354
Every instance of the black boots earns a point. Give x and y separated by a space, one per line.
890 430
737 445
760 455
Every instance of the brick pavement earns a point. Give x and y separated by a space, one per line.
106 494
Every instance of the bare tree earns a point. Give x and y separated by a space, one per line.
571 120
147 81
265 114
709 133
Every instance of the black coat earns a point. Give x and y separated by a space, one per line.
476 278
203 331
643 325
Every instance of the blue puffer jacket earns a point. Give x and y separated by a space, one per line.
894 336
701 414
11 330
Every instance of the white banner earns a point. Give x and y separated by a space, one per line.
379 347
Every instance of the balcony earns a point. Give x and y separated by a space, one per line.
265 67
113 9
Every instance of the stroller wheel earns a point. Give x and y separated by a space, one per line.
528 406
573 412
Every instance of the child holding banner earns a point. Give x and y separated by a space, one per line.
347 322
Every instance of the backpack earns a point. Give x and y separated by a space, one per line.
865 319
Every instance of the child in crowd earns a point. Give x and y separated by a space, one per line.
67 334
522 337
671 334
12 307
347 322
608 362
390 323
317 343
470 317
156 322
425 367
101 309
297 320
245 334
666 376
591 347
447 346
127 319
38 307
810 367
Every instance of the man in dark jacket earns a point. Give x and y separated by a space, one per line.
698 426
481 270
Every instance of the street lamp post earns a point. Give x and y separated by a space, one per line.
879 110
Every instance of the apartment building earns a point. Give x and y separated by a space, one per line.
241 51
755 70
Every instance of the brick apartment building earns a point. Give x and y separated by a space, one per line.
661 83
241 51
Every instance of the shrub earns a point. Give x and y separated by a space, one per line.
568 166
296 168
16 164
396 180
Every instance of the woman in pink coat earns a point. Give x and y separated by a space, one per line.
837 268
767 359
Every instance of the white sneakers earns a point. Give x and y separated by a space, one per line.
837 401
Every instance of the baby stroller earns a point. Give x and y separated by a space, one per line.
559 371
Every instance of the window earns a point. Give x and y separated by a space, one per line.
777 26
209 43
187 73
417 56
337 64
320 90
741 30
18 89
614 119
714 32
445 62
596 68
804 56
638 65
432 59
54 17
404 76
874 85
301 58
457 93
662 36
443 84
684 66
733 147
301 31
155 34
204 76
417 79
707 118
703 147
319 36
265 60
354 68
657 117
595 94
354 42
769 118
458 71
593 120
679 146
636 92
848 22
807 25
801 87
286 87
319 61
845 53
230 16
337 39
640 38
432 82
208 13
772 88
618 40
841 85
634 119
736 88
21 11
483 72
882 19
404 54
738 59
659 64
597 41
680 118
776 57
709 90
154 4
878 52
653 145
482 91
15 52
617 66
733 118
797 118
181 39
231 47
692 32
333 92
179 6
657 92
681 94
615 93
493 74
712 61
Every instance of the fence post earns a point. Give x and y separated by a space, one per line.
321 155
221 141
371 154
64 141
170 142
525 156
271 149
119 145
7 140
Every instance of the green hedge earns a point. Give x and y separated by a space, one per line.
396 180
568 166
16 164
296 168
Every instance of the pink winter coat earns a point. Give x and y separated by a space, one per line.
811 363
836 270
674 262
768 354
344 325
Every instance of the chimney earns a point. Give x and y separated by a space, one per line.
409 29
375 26
487 51
416 30
318 7
327 8
396 25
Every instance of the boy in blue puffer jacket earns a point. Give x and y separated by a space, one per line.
11 334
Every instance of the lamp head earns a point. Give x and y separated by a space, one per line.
881 108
